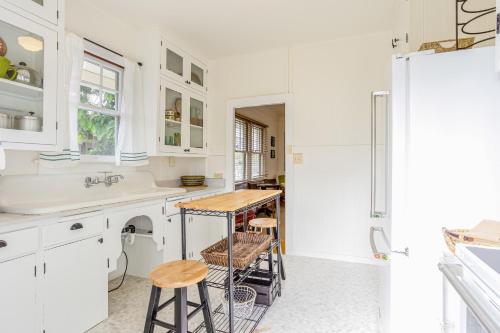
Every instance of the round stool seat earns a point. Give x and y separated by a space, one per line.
178 274
264 222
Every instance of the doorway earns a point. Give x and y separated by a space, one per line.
259 147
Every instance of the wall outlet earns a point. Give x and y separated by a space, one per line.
171 161
289 149
218 175
298 158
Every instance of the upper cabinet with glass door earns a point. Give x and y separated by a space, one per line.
45 9
28 81
183 68
182 119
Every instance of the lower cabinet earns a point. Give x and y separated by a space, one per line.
173 239
18 296
75 286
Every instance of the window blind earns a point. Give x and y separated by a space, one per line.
249 150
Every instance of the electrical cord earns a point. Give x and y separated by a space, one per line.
124 273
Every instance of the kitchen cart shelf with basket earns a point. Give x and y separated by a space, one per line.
229 205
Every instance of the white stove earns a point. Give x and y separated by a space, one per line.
472 305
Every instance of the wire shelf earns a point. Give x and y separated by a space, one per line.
218 275
221 321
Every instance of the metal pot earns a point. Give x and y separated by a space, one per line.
4 120
27 75
28 123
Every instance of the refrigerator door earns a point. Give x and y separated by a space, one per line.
445 171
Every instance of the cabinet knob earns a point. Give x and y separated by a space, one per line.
76 226
3 243
100 240
169 220
188 82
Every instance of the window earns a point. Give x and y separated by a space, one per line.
99 109
248 150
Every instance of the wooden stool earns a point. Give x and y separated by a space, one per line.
269 224
179 275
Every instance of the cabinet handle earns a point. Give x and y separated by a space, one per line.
76 226
188 82
169 220
187 150
100 240
3 243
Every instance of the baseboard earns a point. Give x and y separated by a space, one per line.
338 257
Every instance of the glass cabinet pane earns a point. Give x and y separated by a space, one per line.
175 63
40 2
196 123
21 79
173 117
197 75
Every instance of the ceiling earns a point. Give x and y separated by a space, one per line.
225 27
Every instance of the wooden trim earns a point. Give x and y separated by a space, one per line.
250 120
103 59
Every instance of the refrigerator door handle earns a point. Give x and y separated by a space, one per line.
382 255
373 210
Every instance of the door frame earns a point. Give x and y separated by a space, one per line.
287 100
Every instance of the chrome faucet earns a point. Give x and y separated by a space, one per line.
107 180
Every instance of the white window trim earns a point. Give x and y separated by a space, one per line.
90 47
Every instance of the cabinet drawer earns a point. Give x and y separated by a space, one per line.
18 243
72 230
170 206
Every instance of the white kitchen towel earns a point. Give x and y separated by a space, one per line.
131 146
69 154
2 157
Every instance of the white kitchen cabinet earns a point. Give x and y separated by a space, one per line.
75 286
45 9
182 120
36 47
18 285
173 239
183 68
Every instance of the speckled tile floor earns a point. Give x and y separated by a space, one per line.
319 296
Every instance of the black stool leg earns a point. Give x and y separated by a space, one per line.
207 310
270 259
282 267
154 299
181 320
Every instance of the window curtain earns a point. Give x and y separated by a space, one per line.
69 154
131 144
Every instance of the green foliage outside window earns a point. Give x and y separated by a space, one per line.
96 133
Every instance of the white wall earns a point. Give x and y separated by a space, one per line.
331 84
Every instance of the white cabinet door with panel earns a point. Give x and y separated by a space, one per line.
45 9
28 88
173 239
182 120
75 286
18 302
183 68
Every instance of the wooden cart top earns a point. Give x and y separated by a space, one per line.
229 202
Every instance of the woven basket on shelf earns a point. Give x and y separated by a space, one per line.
486 233
246 248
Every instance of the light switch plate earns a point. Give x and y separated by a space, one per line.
298 158
289 149
218 175
171 161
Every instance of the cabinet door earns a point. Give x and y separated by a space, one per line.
172 118
19 311
174 63
197 76
28 91
46 9
75 287
197 128
173 239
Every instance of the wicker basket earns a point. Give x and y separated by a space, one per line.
246 248
485 233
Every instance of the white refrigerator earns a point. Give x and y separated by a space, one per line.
443 170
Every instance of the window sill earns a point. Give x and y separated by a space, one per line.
97 159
